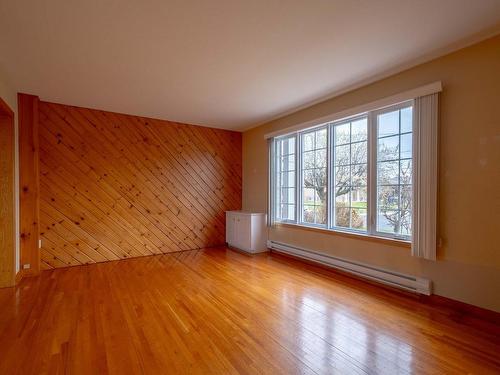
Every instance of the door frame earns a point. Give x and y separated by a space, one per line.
7 197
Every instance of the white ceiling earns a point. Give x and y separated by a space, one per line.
222 63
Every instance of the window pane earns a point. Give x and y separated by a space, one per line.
314 177
287 195
308 214
388 221
284 195
291 145
320 160
350 174
388 173
320 214
283 211
321 195
342 134
406 119
288 163
342 178
342 216
308 178
406 198
288 146
342 155
320 139
359 175
285 178
308 160
308 142
359 130
359 151
317 195
388 197
291 179
406 146
406 222
394 171
320 178
342 200
359 197
388 148
388 124
308 197
287 212
358 218
405 172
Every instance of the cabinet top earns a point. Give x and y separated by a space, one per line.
241 212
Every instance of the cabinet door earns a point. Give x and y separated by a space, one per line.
244 232
230 228
236 231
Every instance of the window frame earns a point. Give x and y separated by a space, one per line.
299 171
277 170
372 137
373 167
331 166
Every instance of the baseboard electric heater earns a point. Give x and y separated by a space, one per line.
398 280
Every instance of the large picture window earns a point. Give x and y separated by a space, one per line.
350 175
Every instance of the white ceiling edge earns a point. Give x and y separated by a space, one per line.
440 52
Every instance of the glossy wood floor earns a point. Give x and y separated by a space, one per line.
219 311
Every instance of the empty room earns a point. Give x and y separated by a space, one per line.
249 187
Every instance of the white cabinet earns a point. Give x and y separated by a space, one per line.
246 231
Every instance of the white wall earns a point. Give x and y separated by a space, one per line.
9 95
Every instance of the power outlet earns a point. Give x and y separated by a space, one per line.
26 266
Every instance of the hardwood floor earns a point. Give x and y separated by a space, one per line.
219 311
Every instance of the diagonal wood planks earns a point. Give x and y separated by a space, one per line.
116 186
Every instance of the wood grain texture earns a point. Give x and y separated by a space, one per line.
115 186
216 311
29 183
7 231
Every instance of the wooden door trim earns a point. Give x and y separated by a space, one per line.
7 197
28 184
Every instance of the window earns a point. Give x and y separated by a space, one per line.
285 178
351 175
350 171
394 171
313 176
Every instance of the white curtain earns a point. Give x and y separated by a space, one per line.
425 176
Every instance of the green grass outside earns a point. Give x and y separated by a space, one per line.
359 204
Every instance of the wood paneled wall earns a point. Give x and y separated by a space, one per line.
115 186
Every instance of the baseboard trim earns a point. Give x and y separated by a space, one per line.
397 280
463 308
